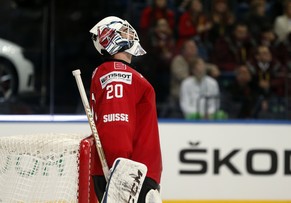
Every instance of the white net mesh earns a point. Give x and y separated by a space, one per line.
39 168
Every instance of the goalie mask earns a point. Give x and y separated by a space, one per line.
114 35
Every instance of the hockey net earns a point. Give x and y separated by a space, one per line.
47 168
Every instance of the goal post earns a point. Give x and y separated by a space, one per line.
87 167
47 168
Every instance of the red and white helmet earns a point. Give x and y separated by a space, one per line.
114 35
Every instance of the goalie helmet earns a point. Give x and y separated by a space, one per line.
114 35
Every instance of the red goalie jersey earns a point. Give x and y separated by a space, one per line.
124 107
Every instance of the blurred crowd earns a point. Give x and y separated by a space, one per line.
207 59
217 60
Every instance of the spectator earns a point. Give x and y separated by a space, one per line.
151 14
257 18
282 25
284 52
234 49
222 20
212 70
241 9
244 7
241 95
199 96
162 40
269 5
269 38
181 7
162 49
268 78
275 8
193 22
180 67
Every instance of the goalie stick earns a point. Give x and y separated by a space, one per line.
77 75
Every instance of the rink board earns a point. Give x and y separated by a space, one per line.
226 201
209 162
235 162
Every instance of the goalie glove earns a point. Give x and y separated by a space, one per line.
153 196
125 181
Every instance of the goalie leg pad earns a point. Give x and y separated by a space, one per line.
153 196
125 181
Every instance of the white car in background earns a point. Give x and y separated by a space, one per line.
16 71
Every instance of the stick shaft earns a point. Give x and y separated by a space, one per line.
77 75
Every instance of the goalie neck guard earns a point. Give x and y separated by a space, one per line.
114 35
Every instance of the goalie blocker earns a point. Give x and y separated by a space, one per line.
127 183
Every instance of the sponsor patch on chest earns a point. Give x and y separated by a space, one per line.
116 76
